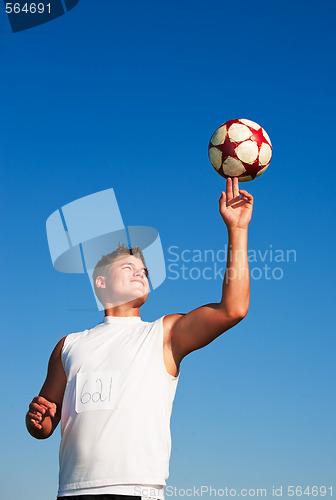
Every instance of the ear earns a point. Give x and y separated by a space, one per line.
100 282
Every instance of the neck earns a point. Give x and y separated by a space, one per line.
123 310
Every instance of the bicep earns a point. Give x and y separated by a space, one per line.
199 327
55 382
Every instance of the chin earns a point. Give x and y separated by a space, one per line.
140 300
134 300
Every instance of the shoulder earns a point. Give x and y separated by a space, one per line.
70 340
63 345
55 360
58 348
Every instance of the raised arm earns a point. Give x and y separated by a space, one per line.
196 329
45 409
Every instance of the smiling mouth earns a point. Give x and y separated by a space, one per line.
137 281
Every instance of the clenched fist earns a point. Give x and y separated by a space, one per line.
39 417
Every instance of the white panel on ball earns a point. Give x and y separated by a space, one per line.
265 154
215 158
239 132
233 167
219 136
247 151
250 123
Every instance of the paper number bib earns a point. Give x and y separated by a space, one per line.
96 391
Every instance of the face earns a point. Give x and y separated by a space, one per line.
125 281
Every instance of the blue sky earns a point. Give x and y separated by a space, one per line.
127 96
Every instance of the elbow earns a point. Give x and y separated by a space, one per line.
235 306
239 314
244 311
234 315
233 318
243 308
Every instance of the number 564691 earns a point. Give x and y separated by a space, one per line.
27 8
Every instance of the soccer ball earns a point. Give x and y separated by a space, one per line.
240 148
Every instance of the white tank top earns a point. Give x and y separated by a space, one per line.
115 423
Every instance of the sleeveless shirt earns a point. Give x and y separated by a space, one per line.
115 422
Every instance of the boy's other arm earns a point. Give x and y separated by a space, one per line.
45 409
187 332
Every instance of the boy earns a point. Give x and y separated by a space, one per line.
114 385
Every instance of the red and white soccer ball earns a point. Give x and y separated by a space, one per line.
240 148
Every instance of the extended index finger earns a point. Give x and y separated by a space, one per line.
229 194
235 187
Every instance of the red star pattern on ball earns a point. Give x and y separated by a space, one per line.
228 150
